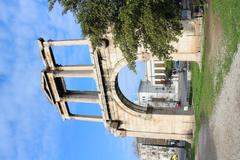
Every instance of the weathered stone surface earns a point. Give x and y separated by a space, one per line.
120 116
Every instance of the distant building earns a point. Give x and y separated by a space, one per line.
155 72
156 90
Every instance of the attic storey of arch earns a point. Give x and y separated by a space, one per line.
151 23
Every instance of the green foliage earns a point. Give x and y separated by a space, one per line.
152 24
168 64
168 68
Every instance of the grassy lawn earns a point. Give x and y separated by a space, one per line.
207 82
229 14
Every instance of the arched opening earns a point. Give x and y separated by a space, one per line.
153 88
127 85
129 81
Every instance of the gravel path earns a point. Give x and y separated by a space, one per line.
220 136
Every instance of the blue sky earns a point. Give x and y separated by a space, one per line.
129 81
30 127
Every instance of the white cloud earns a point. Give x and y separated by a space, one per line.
28 123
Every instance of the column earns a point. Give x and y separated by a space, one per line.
191 56
86 118
81 96
76 67
74 73
158 135
69 42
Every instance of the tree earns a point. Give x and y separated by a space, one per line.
151 23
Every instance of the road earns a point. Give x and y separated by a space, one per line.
183 82
181 151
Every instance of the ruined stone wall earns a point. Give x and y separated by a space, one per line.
152 152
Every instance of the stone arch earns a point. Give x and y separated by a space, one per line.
190 37
130 107
119 97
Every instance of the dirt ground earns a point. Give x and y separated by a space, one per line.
219 137
213 35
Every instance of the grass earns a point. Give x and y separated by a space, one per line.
207 82
229 14
203 96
